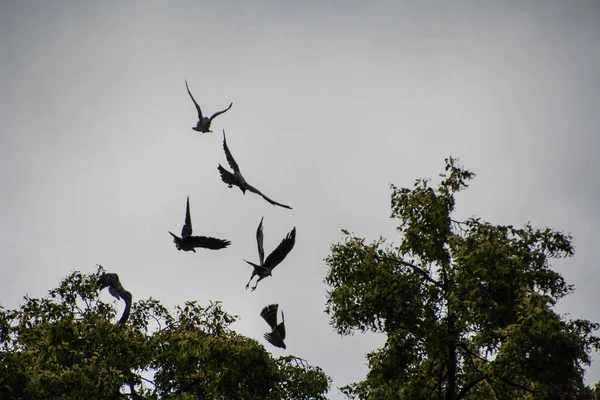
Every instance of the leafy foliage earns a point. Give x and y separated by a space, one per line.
66 346
466 305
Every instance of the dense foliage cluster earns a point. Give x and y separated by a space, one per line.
66 346
467 306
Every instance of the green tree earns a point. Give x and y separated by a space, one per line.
67 346
466 305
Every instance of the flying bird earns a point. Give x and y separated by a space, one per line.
187 242
277 334
203 124
237 179
116 290
264 268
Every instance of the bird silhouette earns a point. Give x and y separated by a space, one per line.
264 268
237 179
277 334
117 290
203 124
187 242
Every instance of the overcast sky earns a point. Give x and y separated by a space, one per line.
333 100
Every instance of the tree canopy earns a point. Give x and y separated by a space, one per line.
467 306
67 346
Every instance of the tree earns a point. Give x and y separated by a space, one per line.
67 346
466 305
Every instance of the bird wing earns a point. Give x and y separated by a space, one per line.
194 100
275 339
269 314
127 298
259 241
187 227
227 176
108 279
286 245
281 327
258 192
208 242
220 112
230 159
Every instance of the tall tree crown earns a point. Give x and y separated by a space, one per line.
466 305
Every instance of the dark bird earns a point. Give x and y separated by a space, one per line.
203 124
277 334
116 290
237 179
188 242
265 267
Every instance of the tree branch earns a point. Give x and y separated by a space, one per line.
482 377
517 385
470 385
415 268
147 380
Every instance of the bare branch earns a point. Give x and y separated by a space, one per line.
415 268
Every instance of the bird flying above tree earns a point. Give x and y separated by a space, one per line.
117 290
264 268
187 242
203 124
236 178
277 334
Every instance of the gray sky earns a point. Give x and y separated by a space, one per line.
332 102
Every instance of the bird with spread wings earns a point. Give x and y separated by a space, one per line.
187 242
203 124
264 268
236 178
277 334
117 290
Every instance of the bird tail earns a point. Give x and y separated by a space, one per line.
125 315
128 299
226 176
